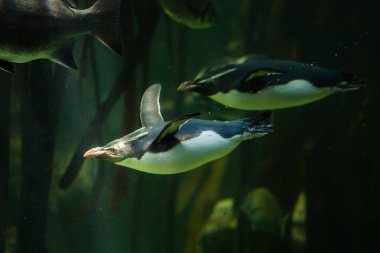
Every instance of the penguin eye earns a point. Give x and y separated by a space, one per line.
112 150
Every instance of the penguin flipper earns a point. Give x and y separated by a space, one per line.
7 66
259 79
150 113
64 56
172 127
107 29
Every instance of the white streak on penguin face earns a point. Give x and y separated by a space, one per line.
186 155
212 78
294 93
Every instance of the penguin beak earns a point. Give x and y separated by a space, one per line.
189 86
193 86
97 152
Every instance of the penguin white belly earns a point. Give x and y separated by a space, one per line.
294 93
184 156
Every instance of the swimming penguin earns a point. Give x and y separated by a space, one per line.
262 83
197 14
45 29
178 145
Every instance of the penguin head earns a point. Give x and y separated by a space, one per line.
113 152
204 87
131 145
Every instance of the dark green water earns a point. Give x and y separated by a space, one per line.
52 200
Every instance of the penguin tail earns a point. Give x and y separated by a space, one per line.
255 127
107 17
350 83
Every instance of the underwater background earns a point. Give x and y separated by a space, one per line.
314 181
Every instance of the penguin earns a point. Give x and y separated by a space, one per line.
46 29
179 145
261 83
196 14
